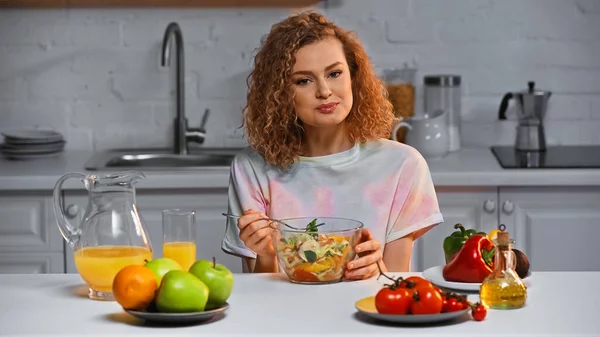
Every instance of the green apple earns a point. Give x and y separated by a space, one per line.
217 278
181 292
161 266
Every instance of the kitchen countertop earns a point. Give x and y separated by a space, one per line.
268 304
467 167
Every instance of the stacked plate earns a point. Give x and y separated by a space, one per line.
31 144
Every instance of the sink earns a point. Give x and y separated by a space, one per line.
160 159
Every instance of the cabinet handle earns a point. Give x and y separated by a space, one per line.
489 206
72 211
508 207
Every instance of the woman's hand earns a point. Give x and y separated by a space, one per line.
256 233
369 252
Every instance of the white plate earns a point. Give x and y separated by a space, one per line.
32 136
32 149
434 275
31 142
366 306
190 317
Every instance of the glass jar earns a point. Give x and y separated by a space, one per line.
444 92
400 84
503 288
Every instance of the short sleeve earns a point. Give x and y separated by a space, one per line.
244 193
415 204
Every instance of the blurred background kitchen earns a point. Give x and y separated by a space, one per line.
95 74
95 77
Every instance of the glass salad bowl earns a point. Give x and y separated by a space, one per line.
315 250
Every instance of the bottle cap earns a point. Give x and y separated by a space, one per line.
503 237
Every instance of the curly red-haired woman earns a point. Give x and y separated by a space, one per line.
318 122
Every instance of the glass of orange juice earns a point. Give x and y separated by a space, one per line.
179 236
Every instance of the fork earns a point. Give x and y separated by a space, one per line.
271 219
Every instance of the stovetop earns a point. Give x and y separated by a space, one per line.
555 157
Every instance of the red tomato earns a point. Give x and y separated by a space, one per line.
451 305
393 301
416 282
479 312
426 301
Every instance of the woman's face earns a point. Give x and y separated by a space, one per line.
322 84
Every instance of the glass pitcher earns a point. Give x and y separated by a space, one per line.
112 233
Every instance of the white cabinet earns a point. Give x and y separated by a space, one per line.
32 263
556 227
30 241
471 207
210 224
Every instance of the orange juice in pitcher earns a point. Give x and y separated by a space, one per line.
98 266
182 252
110 234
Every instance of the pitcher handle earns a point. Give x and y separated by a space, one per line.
68 231
397 127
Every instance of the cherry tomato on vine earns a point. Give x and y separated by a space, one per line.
479 312
451 305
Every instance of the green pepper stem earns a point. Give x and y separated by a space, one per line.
488 256
462 229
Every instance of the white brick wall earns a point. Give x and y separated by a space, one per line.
95 74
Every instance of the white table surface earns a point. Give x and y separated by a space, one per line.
559 303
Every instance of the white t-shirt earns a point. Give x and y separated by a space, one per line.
384 184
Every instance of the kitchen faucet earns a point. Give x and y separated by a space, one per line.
183 134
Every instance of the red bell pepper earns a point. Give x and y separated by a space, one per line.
473 262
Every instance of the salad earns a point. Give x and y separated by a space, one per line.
314 257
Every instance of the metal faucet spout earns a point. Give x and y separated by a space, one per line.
173 30
182 134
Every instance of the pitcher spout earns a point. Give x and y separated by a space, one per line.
117 179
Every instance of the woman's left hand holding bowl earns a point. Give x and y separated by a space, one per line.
369 254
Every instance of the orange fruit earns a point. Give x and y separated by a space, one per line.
134 287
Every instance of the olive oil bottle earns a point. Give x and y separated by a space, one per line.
503 288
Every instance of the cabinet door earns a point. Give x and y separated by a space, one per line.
210 224
472 207
31 263
30 242
556 227
27 223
